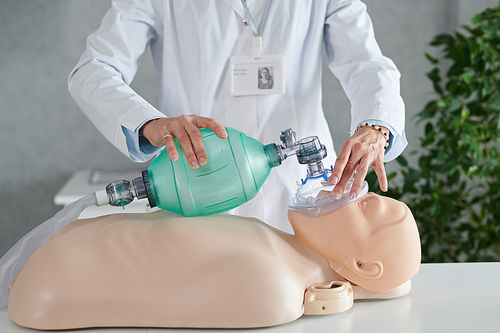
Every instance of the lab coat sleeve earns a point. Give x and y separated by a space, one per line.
99 83
370 80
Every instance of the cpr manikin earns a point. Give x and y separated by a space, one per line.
164 270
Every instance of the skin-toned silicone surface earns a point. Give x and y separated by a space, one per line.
164 270
373 242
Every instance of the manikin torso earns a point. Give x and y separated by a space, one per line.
163 270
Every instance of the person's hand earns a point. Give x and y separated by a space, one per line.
362 150
162 131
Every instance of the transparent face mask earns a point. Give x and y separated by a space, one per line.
315 197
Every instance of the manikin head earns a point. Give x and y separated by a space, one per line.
373 242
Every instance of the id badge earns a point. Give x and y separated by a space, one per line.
263 76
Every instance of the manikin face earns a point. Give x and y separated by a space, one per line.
373 242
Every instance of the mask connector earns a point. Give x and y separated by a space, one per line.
309 151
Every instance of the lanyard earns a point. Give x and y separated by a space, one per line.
257 32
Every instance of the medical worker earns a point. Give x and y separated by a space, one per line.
207 54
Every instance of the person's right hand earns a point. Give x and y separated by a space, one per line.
162 131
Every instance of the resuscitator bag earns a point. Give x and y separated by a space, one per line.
19 254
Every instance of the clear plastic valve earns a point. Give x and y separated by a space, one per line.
120 193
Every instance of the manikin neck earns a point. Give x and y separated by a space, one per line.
310 255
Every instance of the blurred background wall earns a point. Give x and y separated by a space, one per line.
44 138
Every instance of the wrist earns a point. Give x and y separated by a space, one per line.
384 131
144 129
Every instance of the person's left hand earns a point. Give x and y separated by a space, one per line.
362 150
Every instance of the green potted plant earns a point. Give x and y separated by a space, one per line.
454 191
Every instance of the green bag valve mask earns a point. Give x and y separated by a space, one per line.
238 167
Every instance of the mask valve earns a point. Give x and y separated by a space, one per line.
309 151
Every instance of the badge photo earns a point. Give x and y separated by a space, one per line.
264 76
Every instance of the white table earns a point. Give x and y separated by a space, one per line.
444 298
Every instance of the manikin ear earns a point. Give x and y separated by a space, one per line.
369 270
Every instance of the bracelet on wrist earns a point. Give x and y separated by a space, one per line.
378 128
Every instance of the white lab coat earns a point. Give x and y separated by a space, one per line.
192 42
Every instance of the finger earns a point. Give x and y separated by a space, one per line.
197 143
381 174
184 140
339 189
341 162
168 141
213 125
361 172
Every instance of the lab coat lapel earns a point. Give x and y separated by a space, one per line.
238 7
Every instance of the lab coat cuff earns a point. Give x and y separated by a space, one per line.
139 148
399 144
138 116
